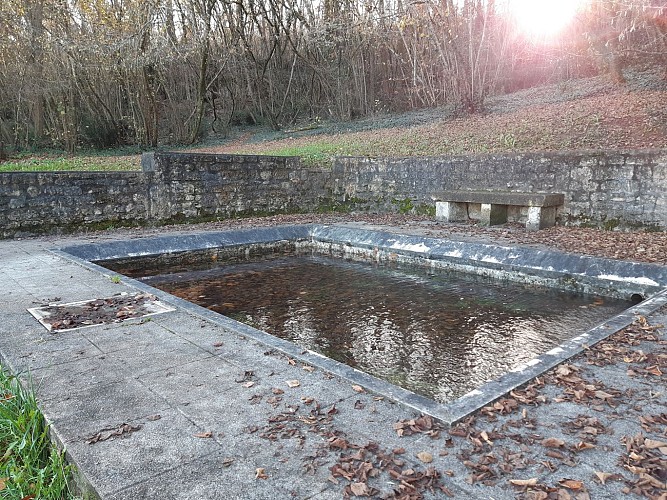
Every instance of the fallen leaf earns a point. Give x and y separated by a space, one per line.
583 445
652 444
260 473
338 443
218 344
553 443
248 385
571 484
555 454
3 482
293 383
360 489
603 395
654 370
485 437
153 418
606 476
308 368
277 391
524 482
227 462
425 457
357 388
207 434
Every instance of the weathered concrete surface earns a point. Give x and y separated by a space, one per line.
194 375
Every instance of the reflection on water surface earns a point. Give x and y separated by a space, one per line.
437 333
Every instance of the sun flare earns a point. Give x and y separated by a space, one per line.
543 18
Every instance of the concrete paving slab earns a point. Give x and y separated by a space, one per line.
36 350
145 357
156 447
81 413
76 375
210 477
194 381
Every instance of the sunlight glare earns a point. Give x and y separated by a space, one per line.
543 18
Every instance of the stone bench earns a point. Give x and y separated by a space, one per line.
541 207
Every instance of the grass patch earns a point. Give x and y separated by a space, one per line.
80 163
29 466
313 154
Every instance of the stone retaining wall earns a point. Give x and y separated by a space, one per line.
601 188
43 202
204 186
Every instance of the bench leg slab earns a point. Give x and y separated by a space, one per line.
540 218
492 215
450 211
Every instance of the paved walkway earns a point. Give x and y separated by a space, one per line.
165 409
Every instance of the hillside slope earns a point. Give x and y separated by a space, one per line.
591 113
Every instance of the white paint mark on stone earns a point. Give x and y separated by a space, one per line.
638 280
420 247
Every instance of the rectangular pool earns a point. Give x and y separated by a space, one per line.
435 332
440 326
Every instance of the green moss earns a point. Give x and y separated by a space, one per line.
405 206
425 209
611 224
335 206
